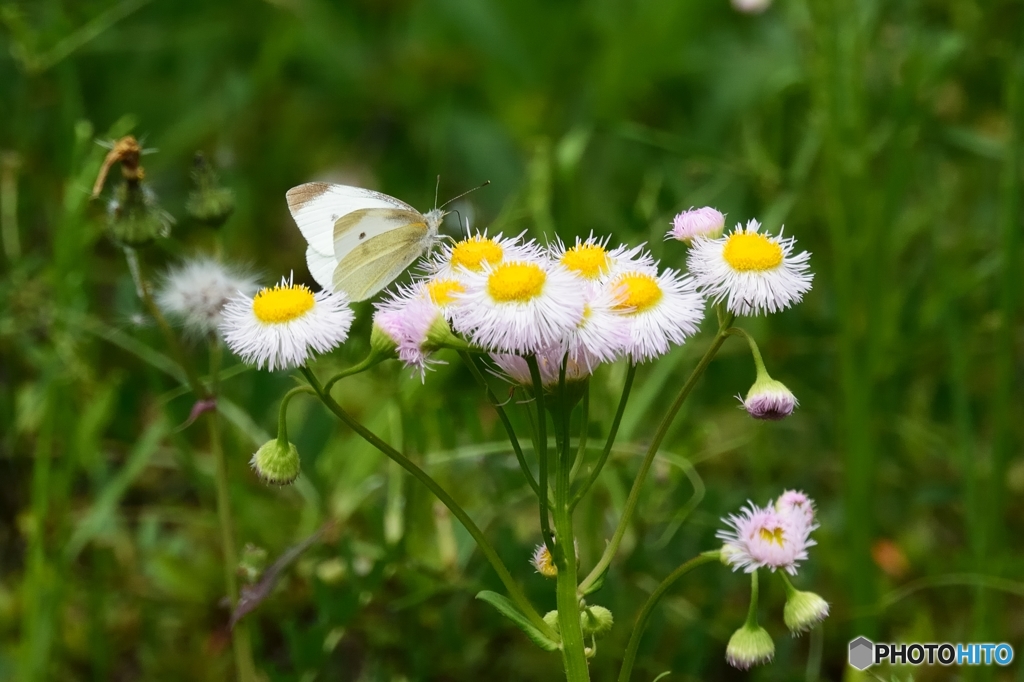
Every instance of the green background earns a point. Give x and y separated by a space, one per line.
885 135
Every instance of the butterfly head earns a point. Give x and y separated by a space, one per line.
434 218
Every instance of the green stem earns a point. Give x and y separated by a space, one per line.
752 611
366 363
241 645
581 451
634 492
762 373
503 416
596 471
170 338
542 452
645 613
515 592
282 415
574 656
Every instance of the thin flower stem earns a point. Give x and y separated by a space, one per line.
170 337
574 656
581 451
752 611
515 592
365 364
244 664
503 416
599 465
758 360
652 450
542 452
645 613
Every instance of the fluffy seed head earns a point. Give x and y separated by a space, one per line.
195 292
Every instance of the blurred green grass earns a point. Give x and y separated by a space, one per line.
887 137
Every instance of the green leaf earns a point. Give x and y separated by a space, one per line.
508 609
662 676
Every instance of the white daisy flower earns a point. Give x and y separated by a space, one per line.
604 332
282 327
590 259
661 310
442 291
697 222
765 538
521 306
752 272
476 252
194 293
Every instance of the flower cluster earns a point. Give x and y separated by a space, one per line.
576 306
775 537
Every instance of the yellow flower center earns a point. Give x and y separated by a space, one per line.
587 260
283 303
775 535
472 253
639 292
747 251
443 291
516 282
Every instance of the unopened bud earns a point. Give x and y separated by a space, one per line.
596 621
749 646
769 399
803 611
277 462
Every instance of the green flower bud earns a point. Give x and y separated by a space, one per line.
134 218
551 618
749 646
277 462
596 620
440 336
803 611
769 399
382 343
209 203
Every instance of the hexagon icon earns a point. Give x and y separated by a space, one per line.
862 653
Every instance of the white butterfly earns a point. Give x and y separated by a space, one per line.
359 240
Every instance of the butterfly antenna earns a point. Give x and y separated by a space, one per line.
437 187
464 194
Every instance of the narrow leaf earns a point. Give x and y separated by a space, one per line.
506 608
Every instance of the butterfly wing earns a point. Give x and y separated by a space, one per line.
321 267
374 262
317 206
